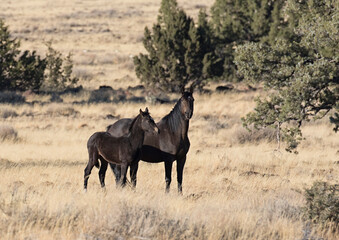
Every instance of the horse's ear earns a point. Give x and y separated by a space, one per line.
191 89
146 110
140 111
182 89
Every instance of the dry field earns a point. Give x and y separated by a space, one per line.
236 186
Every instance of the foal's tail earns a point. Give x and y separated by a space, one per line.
94 156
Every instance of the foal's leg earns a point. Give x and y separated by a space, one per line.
180 169
168 174
102 171
133 173
93 158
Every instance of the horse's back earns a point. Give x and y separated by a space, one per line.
93 138
120 128
156 148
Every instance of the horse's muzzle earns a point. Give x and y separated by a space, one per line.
188 115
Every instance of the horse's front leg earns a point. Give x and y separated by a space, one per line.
168 174
180 169
133 173
102 171
124 167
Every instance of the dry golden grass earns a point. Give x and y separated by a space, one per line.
231 190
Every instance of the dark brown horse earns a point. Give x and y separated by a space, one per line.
122 151
171 144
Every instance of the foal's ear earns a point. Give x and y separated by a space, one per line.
146 110
140 111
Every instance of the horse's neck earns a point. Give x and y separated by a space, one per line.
182 129
136 135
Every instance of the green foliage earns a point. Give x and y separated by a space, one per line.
18 71
300 70
241 20
237 21
29 72
322 204
178 51
26 70
58 75
8 52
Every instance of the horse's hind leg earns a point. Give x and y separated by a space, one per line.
102 171
93 158
117 172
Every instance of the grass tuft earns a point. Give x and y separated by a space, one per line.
8 133
65 111
242 136
7 113
11 97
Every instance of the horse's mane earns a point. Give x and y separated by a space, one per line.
132 124
108 127
173 119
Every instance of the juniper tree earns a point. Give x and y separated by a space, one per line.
237 21
9 49
179 52
300 72
18 70
29 72
58 74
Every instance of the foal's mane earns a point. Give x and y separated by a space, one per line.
132 124
173 119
